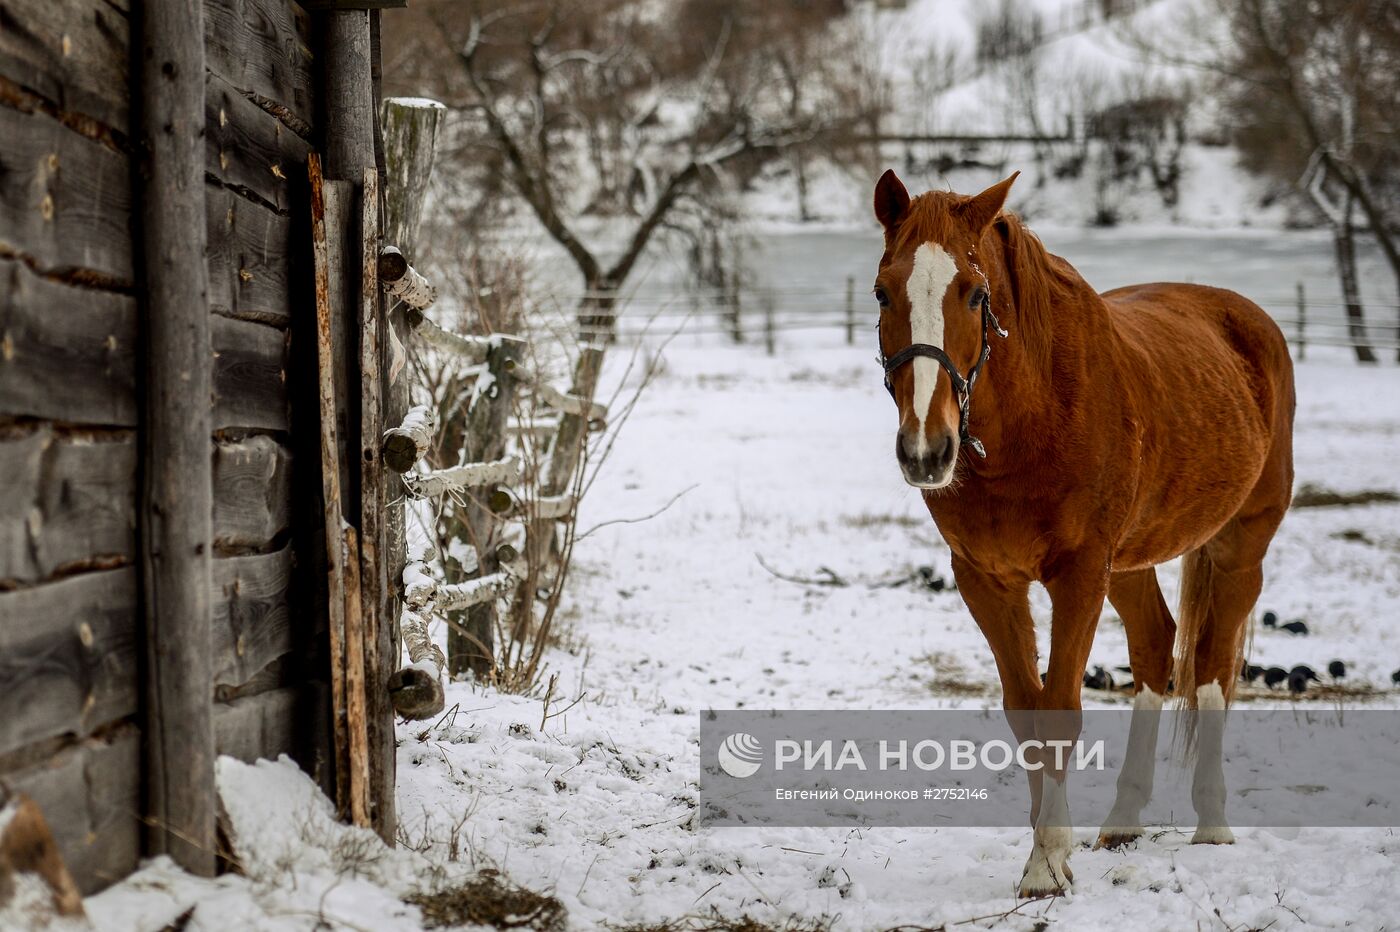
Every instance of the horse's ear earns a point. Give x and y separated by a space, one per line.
891 200
983 209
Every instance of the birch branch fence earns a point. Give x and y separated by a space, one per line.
502 485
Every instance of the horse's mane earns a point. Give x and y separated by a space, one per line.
1042 286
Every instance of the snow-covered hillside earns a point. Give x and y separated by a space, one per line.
1086 65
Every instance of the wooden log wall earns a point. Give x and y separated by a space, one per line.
70 630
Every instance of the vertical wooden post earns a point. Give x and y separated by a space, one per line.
410 129
376 667
573 428
1302 322
850 310
350 109
350 101
330 481
176 461
485 437
357 724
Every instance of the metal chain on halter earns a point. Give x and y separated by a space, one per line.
963 386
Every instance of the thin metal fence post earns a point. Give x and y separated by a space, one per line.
1302 322
850 310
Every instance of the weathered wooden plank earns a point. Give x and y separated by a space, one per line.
327 254
252 492
66 353
68 648
260 726
250 250
65 199
249 148
250 375
73 53
91 797
258 46
70 500
252 614
67 656
67 501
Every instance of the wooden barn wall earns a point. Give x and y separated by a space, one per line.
69 407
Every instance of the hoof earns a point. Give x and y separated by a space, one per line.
416 693
1219 835
1041 878
1112 838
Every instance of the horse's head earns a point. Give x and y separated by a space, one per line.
931 291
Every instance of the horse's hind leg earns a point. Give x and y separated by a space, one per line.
1232 566
1151 631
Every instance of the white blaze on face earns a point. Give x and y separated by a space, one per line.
934 270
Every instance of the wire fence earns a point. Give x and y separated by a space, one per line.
763 314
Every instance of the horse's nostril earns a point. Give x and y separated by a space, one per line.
945 451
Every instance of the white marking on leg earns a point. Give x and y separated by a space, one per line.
1139 767
1208 781
934 270
1047 870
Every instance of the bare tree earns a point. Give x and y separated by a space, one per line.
607 109
1310 91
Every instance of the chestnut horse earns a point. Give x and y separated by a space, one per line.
1107 433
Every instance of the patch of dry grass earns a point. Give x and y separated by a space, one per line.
951 678
867 521
714 922
1311 495
488 899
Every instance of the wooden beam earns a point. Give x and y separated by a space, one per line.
177 499
417 688
470 646
504 471
381 643
411 126
330 481
403 281
350 105
260 48
356 710
408 443
73 54
355 4
409 131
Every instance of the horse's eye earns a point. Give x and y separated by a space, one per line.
881 298
979 294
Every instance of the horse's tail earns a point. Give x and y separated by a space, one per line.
1194 621
1192 617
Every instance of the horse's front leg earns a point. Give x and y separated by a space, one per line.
1077 593
1001 608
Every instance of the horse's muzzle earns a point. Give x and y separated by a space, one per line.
927 464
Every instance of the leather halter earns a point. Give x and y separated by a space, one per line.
963 386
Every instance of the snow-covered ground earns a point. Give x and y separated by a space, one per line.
789 459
